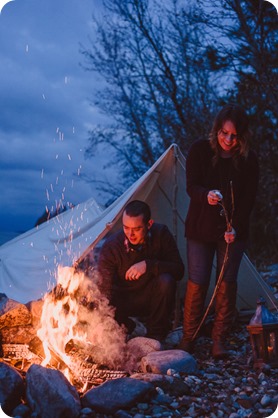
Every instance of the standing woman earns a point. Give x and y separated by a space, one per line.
222 179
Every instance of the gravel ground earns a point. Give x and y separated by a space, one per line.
230 388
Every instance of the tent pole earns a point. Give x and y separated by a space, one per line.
175 233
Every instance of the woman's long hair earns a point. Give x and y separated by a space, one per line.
237 115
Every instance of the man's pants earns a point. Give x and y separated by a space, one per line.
153 302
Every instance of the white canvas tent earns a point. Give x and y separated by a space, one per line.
28 263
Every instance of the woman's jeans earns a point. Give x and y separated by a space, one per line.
200 256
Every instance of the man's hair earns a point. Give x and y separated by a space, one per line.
137 208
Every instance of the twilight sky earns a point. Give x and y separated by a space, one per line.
45 111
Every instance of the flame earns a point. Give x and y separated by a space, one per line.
75 310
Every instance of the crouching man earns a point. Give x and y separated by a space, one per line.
139 267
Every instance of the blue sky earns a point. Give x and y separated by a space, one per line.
45 110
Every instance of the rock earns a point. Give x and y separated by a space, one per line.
174 337
245 401
161 361
266 400
169 384
35 309
60 399
17 316
86 411
18 335
11 388
122 414
141 346
137 348
140 330
6 304
117 394
21 411
220 389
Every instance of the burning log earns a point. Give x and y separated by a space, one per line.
85 367
36 347
18 352
96 376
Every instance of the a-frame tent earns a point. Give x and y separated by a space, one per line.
28 263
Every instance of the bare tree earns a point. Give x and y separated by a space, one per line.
252 60
158 86
168 67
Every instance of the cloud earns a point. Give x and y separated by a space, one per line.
3 3
45 113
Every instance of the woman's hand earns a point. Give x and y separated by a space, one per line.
214 196
230 236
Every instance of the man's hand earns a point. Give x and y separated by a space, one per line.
136 271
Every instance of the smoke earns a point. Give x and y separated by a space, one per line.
76 317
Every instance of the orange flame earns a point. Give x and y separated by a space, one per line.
64 318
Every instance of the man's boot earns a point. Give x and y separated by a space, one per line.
193 310
225 308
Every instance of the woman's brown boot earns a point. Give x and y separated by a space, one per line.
193 309
225 309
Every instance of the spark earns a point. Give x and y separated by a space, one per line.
57 155
43 96
27 48
69 157
42 172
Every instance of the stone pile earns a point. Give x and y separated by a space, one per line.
165 382
168 383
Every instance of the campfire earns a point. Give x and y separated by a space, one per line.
72 330
65 354
56 352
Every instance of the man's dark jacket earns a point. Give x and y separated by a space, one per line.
116 256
